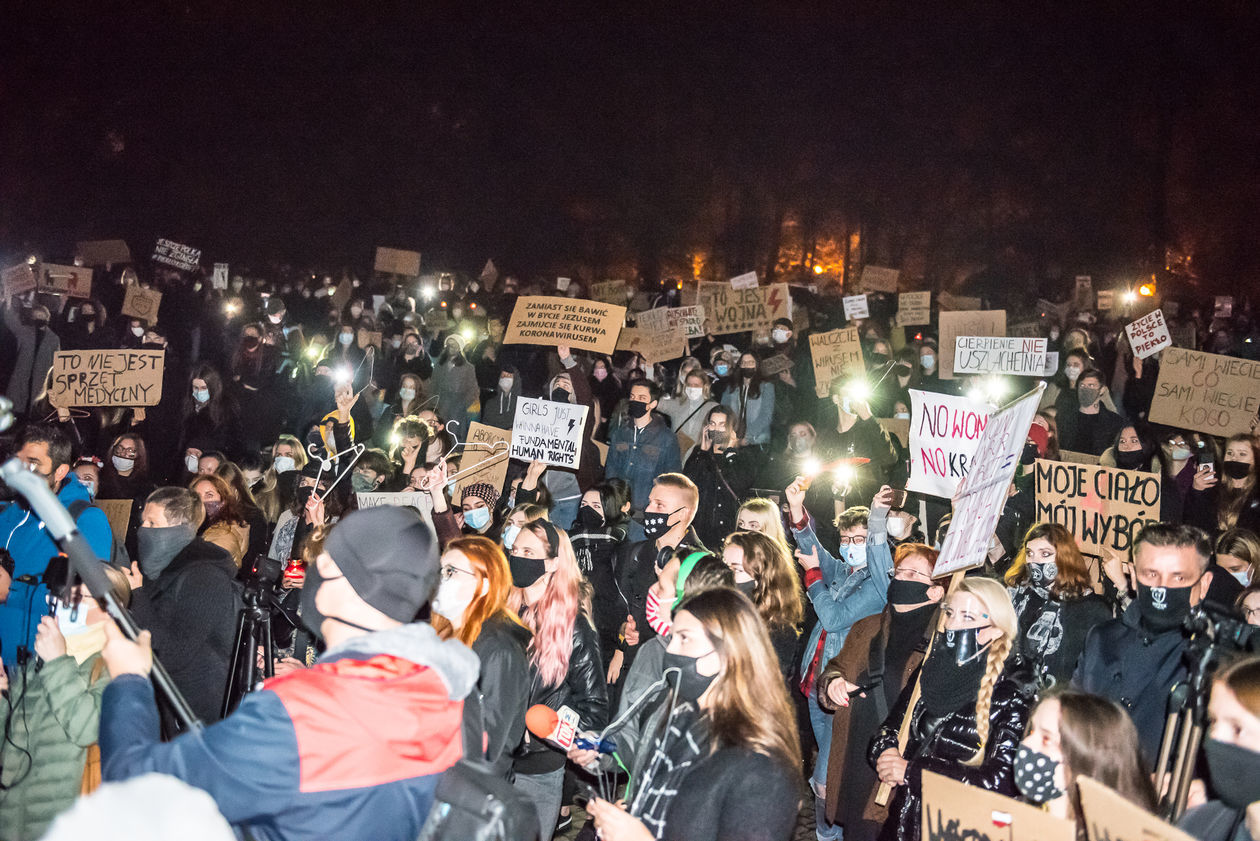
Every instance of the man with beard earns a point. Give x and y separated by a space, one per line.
1137 659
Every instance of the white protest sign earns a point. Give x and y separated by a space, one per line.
983 491
1000 355
219 280
547 431
1223 307
748 280
402 499
1106 300
1052 364
1148 335
855 306
562 283
944 433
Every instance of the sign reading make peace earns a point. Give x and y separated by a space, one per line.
944 433
728 310
1103 506
71 281
999 355
576 322
174 254
106 378
547 431
397 261
1206 392
837 353
141 303
1149 335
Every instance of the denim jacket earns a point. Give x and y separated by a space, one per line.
640 458
844 596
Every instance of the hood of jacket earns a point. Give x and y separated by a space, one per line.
416 643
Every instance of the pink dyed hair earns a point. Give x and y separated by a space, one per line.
551 618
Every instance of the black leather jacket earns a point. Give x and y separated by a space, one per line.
501 648
943 745
583 690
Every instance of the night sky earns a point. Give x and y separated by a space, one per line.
1027 140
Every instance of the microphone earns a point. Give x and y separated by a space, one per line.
559 727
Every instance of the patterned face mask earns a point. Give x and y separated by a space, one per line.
1034 775
1041 576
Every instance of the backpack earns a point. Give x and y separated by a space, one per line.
118 556
472 803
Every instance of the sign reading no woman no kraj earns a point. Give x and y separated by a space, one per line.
576 322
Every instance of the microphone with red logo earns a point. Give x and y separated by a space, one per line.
559 728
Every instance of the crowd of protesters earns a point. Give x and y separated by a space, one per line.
730 576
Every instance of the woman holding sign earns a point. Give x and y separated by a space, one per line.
967 697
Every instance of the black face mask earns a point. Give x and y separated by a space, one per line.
691 684
637 409
1163 608
1235 773
525 571
746 587
588 519
656 524
1029 455
879 359
946 685
559 395
1236 469
907 592
1131 460
1041 576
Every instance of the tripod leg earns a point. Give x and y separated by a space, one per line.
229 693
269 663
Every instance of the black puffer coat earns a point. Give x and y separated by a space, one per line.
943 748
583 690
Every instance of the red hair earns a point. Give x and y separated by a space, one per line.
491 566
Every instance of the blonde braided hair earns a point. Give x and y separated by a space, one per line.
997 603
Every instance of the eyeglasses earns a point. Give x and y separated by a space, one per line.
907 574
860 540
448 572
131 453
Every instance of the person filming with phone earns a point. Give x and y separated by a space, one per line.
724 472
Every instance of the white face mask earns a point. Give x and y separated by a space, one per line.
928 362
1244 577
122 465
693 393
137 331
509 535
407 393
283 464
902 416
91 488
1072 372
505 384
70 627
345 338
779 336
448 601
855 555
898 527
191 463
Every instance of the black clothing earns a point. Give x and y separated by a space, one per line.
635 566
504 670
1052 632
191 611
865 439
724 480
1090 434
595 551
583 690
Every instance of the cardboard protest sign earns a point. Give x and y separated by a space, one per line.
1206 392
1084 298
914 308
547 431
944 433
837 353
1106 300
397 261
486 450
118 512
369 338
1024 330
1148 335
1110 817
576 322
954 811
899 427
219 280
1103 506
691 318
880 279
1052 364
1184 335
999 355
654 345
17 280
609 291
1223 306
341 295
106 378
772 366
1072 457
856 306
728 310
401 499
958 303
968 323
102 252
748 280
182 257
141 303
982 493
71 281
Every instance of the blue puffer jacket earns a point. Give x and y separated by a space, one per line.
844 596
23 535
351 748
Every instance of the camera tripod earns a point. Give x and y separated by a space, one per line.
253 628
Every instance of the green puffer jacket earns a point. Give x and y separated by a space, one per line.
55 718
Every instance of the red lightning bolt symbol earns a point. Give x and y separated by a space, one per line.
772 300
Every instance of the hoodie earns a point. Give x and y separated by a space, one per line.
351 748
499 409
